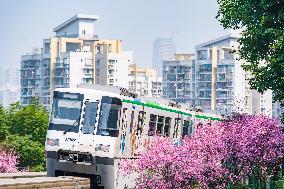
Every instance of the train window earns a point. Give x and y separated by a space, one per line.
109 116
167 126
176 127
66 111
160 125
185 128
131 121
152 124
90 117
140 122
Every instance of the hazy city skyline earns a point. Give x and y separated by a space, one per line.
136 23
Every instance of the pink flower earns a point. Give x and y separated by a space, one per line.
216 155
8 161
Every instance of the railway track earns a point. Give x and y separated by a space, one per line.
27 180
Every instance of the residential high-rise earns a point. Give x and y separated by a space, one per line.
179 79
144 81
9 76
163 49
222 84
277 110
213 78
9 85
74 55
9 95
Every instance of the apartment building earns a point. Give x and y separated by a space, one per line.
179 79
144 81
74 55
221 83
277 109
9 95
163 49
9 85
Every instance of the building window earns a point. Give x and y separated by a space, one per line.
228 55
109 48
83 32
202 55
46 48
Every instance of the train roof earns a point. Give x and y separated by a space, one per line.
130 97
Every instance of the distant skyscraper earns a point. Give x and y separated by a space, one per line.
9 85
9 76
163 50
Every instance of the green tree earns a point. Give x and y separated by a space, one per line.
31 120
4 124
262 41
31 152
23 129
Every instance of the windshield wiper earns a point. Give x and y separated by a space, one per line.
71 126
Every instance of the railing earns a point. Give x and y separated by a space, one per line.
61 65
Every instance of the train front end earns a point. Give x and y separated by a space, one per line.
82 136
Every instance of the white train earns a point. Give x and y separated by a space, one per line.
92 127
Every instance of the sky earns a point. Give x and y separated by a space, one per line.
25 23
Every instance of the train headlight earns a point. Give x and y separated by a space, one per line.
101 147
52 142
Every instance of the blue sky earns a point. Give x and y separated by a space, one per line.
136 22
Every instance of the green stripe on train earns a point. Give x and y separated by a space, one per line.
157 106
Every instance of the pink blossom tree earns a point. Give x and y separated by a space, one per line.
8 161
217 155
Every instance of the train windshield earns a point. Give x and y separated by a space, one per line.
66 111
108 121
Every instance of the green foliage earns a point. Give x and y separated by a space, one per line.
31 152
24 129
4 125
30 120
278 184
262 40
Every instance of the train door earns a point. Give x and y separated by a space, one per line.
90 119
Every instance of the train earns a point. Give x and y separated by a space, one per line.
93 127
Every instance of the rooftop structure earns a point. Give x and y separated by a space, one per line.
78 25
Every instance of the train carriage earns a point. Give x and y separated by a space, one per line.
93 127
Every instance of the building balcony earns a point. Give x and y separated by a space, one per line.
61 73
61 65
224 71
223 80
30 57
204 80
60 85
204 71
223 89
226 62
199 62
204 98
90 76
222 96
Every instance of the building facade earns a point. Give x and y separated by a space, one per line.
73 56
179 79
221 83
213 79
9 85
144 81
163 50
